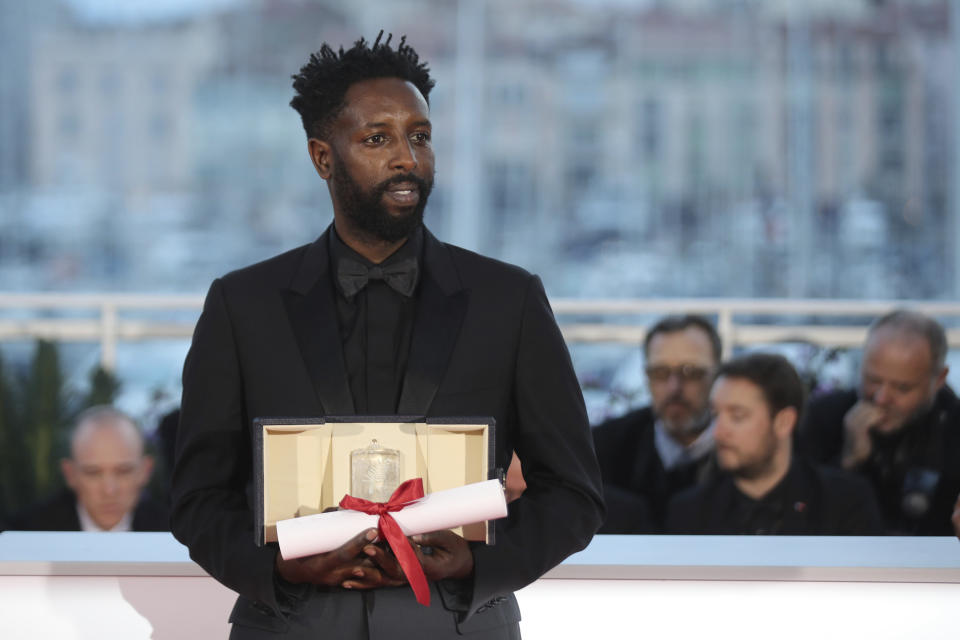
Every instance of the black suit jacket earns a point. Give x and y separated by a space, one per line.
808 501
59 513
484 344
636 487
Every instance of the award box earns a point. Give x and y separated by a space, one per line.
302 465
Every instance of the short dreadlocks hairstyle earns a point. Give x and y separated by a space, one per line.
323 82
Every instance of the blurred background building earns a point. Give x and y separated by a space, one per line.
621 148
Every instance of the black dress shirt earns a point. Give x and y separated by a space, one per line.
809 500
375 329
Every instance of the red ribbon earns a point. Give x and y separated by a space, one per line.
406 493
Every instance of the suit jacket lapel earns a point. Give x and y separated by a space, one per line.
441 305
311 309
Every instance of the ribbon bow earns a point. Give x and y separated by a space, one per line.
406 493
401 276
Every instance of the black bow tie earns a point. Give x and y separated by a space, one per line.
401 276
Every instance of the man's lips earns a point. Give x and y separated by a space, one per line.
403 193
112 508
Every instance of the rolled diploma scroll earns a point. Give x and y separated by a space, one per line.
448 509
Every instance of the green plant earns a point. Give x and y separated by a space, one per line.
16 474
37 411
104 386
45 416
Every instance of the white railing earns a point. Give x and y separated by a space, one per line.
51 317
840 323
833 326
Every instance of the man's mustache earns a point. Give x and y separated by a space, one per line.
679 400
422 185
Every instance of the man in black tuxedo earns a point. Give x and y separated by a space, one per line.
379 317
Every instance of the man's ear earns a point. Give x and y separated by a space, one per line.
321 156
941 379
146 468
784 422
69 471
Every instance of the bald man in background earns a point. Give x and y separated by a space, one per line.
105 475
900 429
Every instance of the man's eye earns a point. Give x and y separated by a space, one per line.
377 138
421 137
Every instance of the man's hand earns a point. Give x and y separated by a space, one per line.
443 554
857 423
351 566
956 517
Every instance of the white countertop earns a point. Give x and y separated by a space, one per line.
793 558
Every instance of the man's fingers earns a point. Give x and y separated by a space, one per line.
443 554
362 578
354 547
385 561
442 539
858 415
861 418
370 578
332 568
866 413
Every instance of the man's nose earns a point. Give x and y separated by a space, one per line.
109 486
674 382
405 158
882 395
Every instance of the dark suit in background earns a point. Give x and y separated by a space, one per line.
636 486
914 471
484 343
807 501
59 513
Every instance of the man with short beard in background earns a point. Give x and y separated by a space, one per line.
651 453
762 487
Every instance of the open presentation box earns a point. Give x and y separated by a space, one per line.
302 465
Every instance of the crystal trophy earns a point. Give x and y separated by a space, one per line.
374 472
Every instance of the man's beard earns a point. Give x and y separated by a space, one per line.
693 425
918 415
760 464
366 210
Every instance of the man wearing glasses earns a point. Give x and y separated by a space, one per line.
648 455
